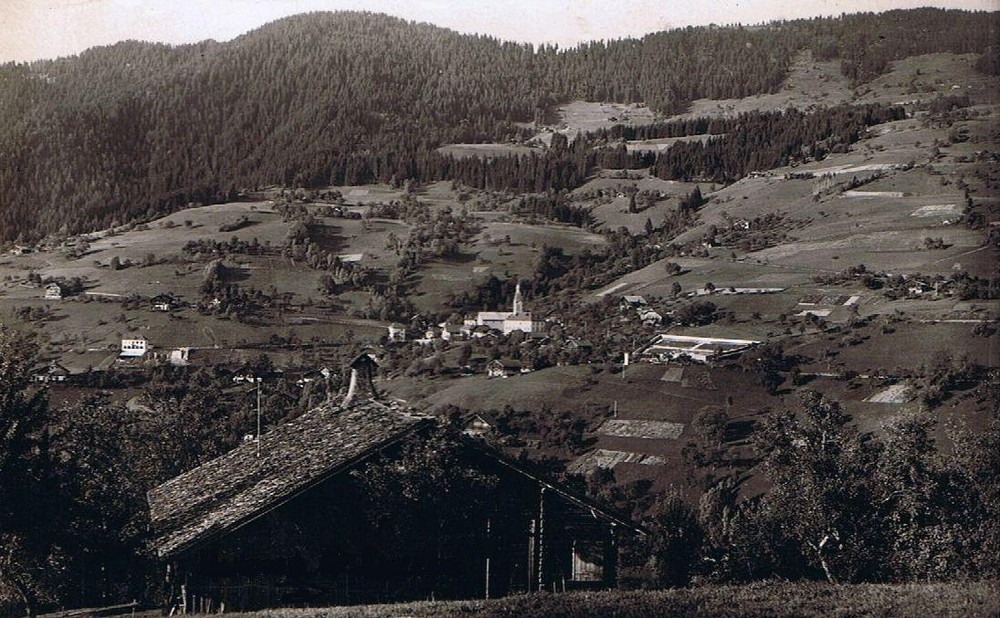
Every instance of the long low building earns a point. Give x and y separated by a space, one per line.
702 349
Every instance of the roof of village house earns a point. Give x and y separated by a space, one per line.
506 363
235 488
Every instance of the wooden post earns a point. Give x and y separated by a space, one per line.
541 539
487 544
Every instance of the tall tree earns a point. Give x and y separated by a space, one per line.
822 496
30 556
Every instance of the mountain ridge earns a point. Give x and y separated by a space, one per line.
136 129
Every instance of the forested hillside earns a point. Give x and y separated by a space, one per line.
136 129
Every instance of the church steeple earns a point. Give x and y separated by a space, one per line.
518 302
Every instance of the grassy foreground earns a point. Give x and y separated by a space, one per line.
766 599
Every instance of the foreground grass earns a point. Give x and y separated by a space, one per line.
766 599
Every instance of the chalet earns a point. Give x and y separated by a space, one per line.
315 375
135 347
578 345
162 302
247 374
290 519
504 368
432 333
632 302
481 331
397 333
456 371
476 426
54 291
453 332
21 250
53 373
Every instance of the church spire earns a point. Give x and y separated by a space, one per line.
518 302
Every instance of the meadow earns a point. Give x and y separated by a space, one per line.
763 600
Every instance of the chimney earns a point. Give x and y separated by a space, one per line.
363 370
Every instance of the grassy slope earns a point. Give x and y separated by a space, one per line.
770 599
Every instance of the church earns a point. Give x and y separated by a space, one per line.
509 321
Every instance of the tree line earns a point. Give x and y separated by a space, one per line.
135 130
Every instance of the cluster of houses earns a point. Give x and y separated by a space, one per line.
485 323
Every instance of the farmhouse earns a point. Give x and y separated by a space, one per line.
291 520
633 302
134 348
504 368
702 349
54 291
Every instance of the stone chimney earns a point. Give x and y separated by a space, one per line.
362 382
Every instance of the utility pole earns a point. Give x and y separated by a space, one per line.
260 384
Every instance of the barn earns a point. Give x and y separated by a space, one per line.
304 518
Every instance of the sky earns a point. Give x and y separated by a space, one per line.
35 29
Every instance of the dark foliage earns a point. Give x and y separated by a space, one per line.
133 130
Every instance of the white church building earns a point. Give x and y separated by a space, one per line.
508 321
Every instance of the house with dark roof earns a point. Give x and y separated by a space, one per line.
54 291
505 367
54 372
291 519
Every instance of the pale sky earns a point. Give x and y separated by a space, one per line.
33 29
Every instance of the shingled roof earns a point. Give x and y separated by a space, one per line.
235 488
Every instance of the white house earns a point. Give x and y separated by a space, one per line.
53 291
650 317
397 333
134 348
180 357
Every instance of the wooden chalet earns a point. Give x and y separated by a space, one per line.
505 367
283 522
